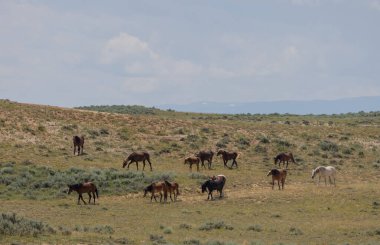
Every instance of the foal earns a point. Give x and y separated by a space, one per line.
191 161
279 175
172 188
324 171
87 187
158 187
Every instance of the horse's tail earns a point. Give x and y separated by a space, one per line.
97 193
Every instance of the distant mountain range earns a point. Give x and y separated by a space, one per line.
346 105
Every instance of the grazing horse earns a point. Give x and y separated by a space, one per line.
191 161
283 157
138 157
157 187
205 156
78 143
279 175
228 156
215 183
172 188
324 171
87 187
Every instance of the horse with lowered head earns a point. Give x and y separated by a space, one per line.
226 156
214 183
279 175
205 156
137 157
78 144
157 187
87 187
284 157
324 172
191 161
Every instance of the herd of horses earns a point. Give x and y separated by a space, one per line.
163 188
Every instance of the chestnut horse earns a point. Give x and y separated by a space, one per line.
205 156
157 187
172 187
191 161
279 175
228 156
284 157
87 187
138 157
78 143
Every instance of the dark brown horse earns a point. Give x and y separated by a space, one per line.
172 187
87 187
157 187
228 156
279 175
205 156
137 157
284 157
191 161
214 183
78 144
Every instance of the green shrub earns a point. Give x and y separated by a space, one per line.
13 225
328 146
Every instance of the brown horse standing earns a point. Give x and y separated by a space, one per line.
138 157
78 143
228 156
172 188
158 187
279 175
205 156
87 187
191 161
284 157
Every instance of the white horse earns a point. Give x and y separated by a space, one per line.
324 171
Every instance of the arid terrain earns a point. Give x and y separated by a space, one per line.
37 164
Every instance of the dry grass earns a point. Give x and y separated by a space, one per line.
302 213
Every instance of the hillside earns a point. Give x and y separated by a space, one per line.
37 163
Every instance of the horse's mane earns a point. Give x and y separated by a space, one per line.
168 183
76 186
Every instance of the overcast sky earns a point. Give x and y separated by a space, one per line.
71 53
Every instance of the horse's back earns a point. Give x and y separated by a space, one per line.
331 169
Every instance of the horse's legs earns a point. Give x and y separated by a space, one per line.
89 200
272 184
81 197
319 179
93 195
209 164
150 164
143 165
278 182
129 164
282 182
198 167
325 180
78 199
74 150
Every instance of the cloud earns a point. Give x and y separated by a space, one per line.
124 47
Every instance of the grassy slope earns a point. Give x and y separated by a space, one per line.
41 135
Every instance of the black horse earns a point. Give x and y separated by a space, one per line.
205 156
215 183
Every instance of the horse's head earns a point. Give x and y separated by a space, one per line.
186 160
275 160
314 172
204 186
70 189
269 173
147 189
125 162
220 152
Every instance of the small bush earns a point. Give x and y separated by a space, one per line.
215 225
328 146
185 226
255 228
13 225
295 231
168 230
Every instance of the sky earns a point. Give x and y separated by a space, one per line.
81 52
